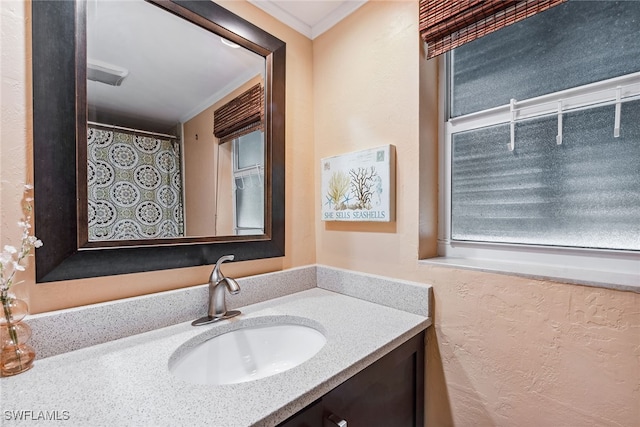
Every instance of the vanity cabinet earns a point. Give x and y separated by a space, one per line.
388 393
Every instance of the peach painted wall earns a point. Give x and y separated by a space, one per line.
225 190
199 176
16 167
505 350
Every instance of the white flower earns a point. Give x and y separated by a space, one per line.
10 249
24 224
5 258
28 187
34 241
17 266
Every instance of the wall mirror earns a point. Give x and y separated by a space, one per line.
158 137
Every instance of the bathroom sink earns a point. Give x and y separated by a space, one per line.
248 354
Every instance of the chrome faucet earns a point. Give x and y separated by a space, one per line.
217 303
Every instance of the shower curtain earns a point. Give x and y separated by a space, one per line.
134 185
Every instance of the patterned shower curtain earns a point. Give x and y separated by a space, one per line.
134 186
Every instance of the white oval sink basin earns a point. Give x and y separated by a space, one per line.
248 354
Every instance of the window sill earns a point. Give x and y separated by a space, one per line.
583 276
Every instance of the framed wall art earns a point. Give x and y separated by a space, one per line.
359 186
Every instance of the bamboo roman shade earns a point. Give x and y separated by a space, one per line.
447 24
242 115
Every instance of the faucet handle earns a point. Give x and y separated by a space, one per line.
223 259
216 274
217 305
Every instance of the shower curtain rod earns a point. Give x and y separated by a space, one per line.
132 130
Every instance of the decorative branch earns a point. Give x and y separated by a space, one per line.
362 181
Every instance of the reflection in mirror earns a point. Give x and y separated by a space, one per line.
157 85
248 176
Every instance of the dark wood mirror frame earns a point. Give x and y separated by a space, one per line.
60 158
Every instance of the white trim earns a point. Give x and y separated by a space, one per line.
283 16
590 267
444 155
603 268
575 276
337 15
346 8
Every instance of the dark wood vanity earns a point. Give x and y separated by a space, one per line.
388 393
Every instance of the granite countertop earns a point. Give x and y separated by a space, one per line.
127 381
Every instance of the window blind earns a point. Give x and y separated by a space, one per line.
240 116
445 25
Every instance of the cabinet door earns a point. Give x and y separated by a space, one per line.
389 393
311 416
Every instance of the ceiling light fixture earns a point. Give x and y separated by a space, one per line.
103 72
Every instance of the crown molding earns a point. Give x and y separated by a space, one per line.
284 16
346 9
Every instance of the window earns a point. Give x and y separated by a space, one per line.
248 178
540 156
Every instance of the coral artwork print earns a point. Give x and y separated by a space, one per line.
338 188
362 182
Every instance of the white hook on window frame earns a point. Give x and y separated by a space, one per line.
243 184
259 177
559 136
616 125
512 107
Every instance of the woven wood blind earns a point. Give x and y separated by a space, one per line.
241 115
446 24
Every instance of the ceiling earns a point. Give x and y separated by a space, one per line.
175 69
309 17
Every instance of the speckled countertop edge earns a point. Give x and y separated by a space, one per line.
71 329
127 381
